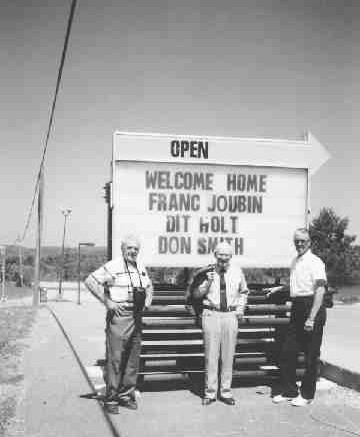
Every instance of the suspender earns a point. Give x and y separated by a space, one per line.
129 274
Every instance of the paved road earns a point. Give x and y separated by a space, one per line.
341 341
58 380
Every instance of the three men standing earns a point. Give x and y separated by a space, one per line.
224 296
125 289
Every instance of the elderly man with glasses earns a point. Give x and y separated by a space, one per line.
307 319
223 292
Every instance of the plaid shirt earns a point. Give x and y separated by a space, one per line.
122 280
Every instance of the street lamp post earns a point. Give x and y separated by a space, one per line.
79 270
66 213
3 259
21 269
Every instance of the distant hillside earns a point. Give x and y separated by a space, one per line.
54 250
94 257
51 261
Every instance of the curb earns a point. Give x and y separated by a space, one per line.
341 376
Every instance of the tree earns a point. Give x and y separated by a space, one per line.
335 247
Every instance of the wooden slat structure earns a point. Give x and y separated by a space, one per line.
172 345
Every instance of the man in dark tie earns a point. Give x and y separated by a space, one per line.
224 294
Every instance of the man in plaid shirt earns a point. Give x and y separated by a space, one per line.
125 289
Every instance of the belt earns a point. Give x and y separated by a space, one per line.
217 308
301 298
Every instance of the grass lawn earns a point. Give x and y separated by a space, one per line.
15 326
12 292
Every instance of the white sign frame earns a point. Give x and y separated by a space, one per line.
134 151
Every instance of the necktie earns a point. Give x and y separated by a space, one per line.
223 302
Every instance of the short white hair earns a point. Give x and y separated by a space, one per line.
223 246
303 232
130 240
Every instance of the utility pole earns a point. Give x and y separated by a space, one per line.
66 213
36 290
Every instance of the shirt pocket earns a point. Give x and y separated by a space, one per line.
121 279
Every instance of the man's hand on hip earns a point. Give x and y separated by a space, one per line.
239 312
116 307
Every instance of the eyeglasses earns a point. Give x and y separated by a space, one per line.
300 241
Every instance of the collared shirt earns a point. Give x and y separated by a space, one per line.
305 270
236 288
122 278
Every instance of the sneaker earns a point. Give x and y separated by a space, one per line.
280 398
300 401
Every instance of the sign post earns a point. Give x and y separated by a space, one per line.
183 194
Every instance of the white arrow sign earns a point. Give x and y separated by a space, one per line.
307 154
185 193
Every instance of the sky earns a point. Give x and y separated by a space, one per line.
240 68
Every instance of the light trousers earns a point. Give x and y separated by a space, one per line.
220 333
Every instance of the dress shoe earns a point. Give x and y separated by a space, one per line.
111 407
129 403
228 401
208 401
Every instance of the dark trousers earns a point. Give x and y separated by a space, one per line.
298 340
123 345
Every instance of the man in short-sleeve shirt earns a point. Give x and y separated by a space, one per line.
307 319
125 289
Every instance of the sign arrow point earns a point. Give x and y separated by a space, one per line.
319 153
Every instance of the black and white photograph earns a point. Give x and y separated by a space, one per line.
180 232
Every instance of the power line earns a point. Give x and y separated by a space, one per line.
51 119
